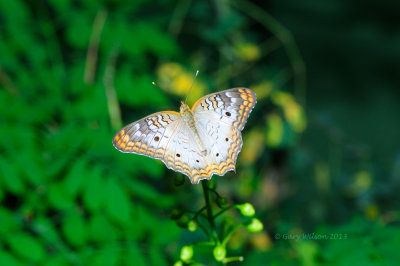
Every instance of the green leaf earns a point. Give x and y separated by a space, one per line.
58 198
133 255
307 251
155 40
14 11
93 197
60 5
146 191
46 229
27 246
74 180
8 259
79 29
143 88
100 229
58 260
8 223
107 255
117 203
32 168
156 256
10 177
74 230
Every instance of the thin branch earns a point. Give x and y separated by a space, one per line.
224 210
112 100
7 83
92 52
178 17
287 39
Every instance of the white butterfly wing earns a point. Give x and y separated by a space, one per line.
148 136
184 154
220 118
164 136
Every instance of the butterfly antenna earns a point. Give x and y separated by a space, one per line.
195 76
155 84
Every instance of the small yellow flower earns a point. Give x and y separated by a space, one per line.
362 182
174 78
248 51
275 130
254 146
263 90
372 212
181 84
294 113
261 241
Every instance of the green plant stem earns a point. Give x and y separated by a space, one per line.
199 212
210 217
228 236
224 210
232 259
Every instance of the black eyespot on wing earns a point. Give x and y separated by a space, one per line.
156 138
197 161
228 113
226 139
217 154
178 155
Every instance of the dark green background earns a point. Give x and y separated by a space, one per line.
69 198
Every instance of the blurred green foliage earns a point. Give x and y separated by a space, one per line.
323 160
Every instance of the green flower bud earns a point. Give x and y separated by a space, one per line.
192 225
179 180
246 209
186 253
183 221
219 253
255 226
178 263
175 214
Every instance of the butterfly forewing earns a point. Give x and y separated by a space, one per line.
233 106
148 136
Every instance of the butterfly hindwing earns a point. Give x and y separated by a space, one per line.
184 154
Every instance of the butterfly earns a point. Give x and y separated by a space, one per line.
197 142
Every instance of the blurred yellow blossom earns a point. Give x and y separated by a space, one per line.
175 79
248 51
372 212
254 145
263 90
261 241
362 182
238 238
181 84
274 133
294 113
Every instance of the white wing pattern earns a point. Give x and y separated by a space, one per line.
197 142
